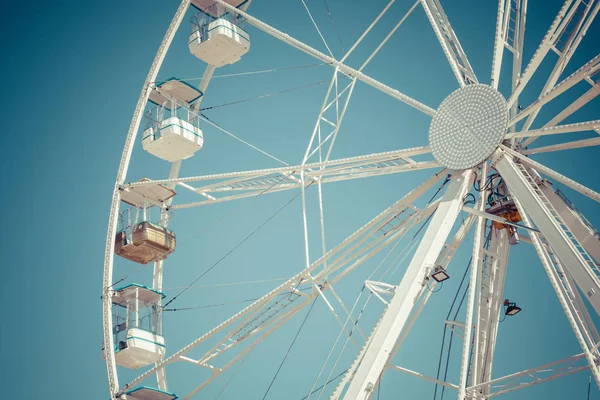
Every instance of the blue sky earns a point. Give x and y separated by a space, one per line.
72 74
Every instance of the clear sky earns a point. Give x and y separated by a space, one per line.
72 72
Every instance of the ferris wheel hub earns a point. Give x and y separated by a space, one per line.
468 126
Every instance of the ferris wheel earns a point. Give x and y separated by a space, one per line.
481 153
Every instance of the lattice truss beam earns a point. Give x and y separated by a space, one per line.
252 183
563 38
570 270
231 186
516 381
339 64
565 260
530 377
239 334
510 35
450 45
330 116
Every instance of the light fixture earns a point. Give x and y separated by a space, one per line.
439 274
511 308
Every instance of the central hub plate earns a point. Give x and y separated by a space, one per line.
468 126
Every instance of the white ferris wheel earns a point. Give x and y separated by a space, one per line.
481 154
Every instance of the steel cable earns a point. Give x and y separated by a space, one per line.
233 249
262 96
289 348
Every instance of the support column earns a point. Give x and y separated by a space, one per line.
477 266
489 309
533 206
548 221
386 333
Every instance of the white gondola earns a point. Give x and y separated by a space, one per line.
137 344
480 134
172 127
218 38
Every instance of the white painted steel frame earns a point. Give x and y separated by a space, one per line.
450 45
510 35
569 40
328 60
339 116
379 349
157 275
489 307
502 18
443 260
582 74
107 275
552 227
338 262
569 289
537 375
345 257
531 204
253 183
576 144
578 187
550 41
477 266
493 217
562 297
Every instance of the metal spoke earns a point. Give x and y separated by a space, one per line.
376 355
329 60
555 130
499 41
564 146
547 264
389 35
317 28
369 28
578 187
489 306
238 185
510 34
578 21
563 37
564 240
449 42
268 311
474 284
584 99
427 378
556 232
586 72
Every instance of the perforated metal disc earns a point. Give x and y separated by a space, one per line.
468 126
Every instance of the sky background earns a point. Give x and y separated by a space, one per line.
72 74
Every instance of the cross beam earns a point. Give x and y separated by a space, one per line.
327 59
